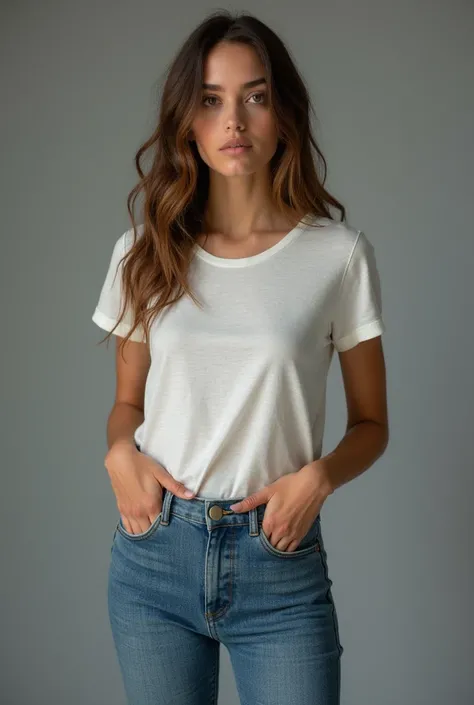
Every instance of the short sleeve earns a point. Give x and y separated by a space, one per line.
358 308
108 307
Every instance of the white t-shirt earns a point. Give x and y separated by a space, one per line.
235 394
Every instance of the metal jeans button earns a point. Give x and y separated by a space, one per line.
216 512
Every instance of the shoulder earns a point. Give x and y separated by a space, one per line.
334 242
338 234
127 239
123 244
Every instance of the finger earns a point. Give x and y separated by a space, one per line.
135 526
292 546
129 524
250 502
282 544
126 524
152 519
177 488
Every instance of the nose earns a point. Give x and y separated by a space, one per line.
234 117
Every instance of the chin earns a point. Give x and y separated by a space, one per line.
237 172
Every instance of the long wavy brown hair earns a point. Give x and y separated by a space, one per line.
175 187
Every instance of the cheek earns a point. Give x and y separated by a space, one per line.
268 127
268 139
203 130
206 142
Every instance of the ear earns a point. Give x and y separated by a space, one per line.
191 136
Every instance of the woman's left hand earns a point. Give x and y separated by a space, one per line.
293 503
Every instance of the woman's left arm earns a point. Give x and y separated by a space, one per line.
367 432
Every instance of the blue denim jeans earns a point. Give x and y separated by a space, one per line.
201 576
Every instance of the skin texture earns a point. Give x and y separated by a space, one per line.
240 211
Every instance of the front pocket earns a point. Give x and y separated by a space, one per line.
145 534
308 544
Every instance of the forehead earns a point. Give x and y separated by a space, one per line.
231 65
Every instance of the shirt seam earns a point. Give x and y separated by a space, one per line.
341 283
243 262
346 268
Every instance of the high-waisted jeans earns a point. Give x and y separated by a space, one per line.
202 575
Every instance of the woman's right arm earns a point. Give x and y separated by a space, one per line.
128 410
137 479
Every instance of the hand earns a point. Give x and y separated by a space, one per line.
294 502
137 481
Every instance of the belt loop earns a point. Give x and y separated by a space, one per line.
165 507
253 522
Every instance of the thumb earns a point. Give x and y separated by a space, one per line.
167 480
250 502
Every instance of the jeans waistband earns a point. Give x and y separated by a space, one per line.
212 512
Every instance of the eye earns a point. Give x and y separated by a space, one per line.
208 97
261 95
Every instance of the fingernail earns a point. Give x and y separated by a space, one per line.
188 493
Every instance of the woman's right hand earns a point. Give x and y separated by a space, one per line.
137 481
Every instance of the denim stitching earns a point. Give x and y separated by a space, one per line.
222 610
139 537
329 597
288 554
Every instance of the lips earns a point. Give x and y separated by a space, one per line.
240 142
239 146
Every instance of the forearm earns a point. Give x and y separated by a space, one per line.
357 451
123 420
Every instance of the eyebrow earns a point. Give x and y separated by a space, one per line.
249 84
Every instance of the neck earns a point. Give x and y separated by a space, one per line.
238 206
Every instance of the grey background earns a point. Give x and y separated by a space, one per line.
392 84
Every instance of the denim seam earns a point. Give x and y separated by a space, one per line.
140 537
289 554
215 683
331 600
222 610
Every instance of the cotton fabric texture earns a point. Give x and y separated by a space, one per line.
236 391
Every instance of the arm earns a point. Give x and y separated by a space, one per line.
367 432
128 409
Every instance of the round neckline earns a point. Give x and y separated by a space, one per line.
251 259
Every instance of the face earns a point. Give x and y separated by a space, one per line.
234 110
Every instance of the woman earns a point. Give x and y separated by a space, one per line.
227 302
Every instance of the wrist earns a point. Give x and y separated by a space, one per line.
122 445
323 484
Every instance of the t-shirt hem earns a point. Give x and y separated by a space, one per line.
358 335
122 329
